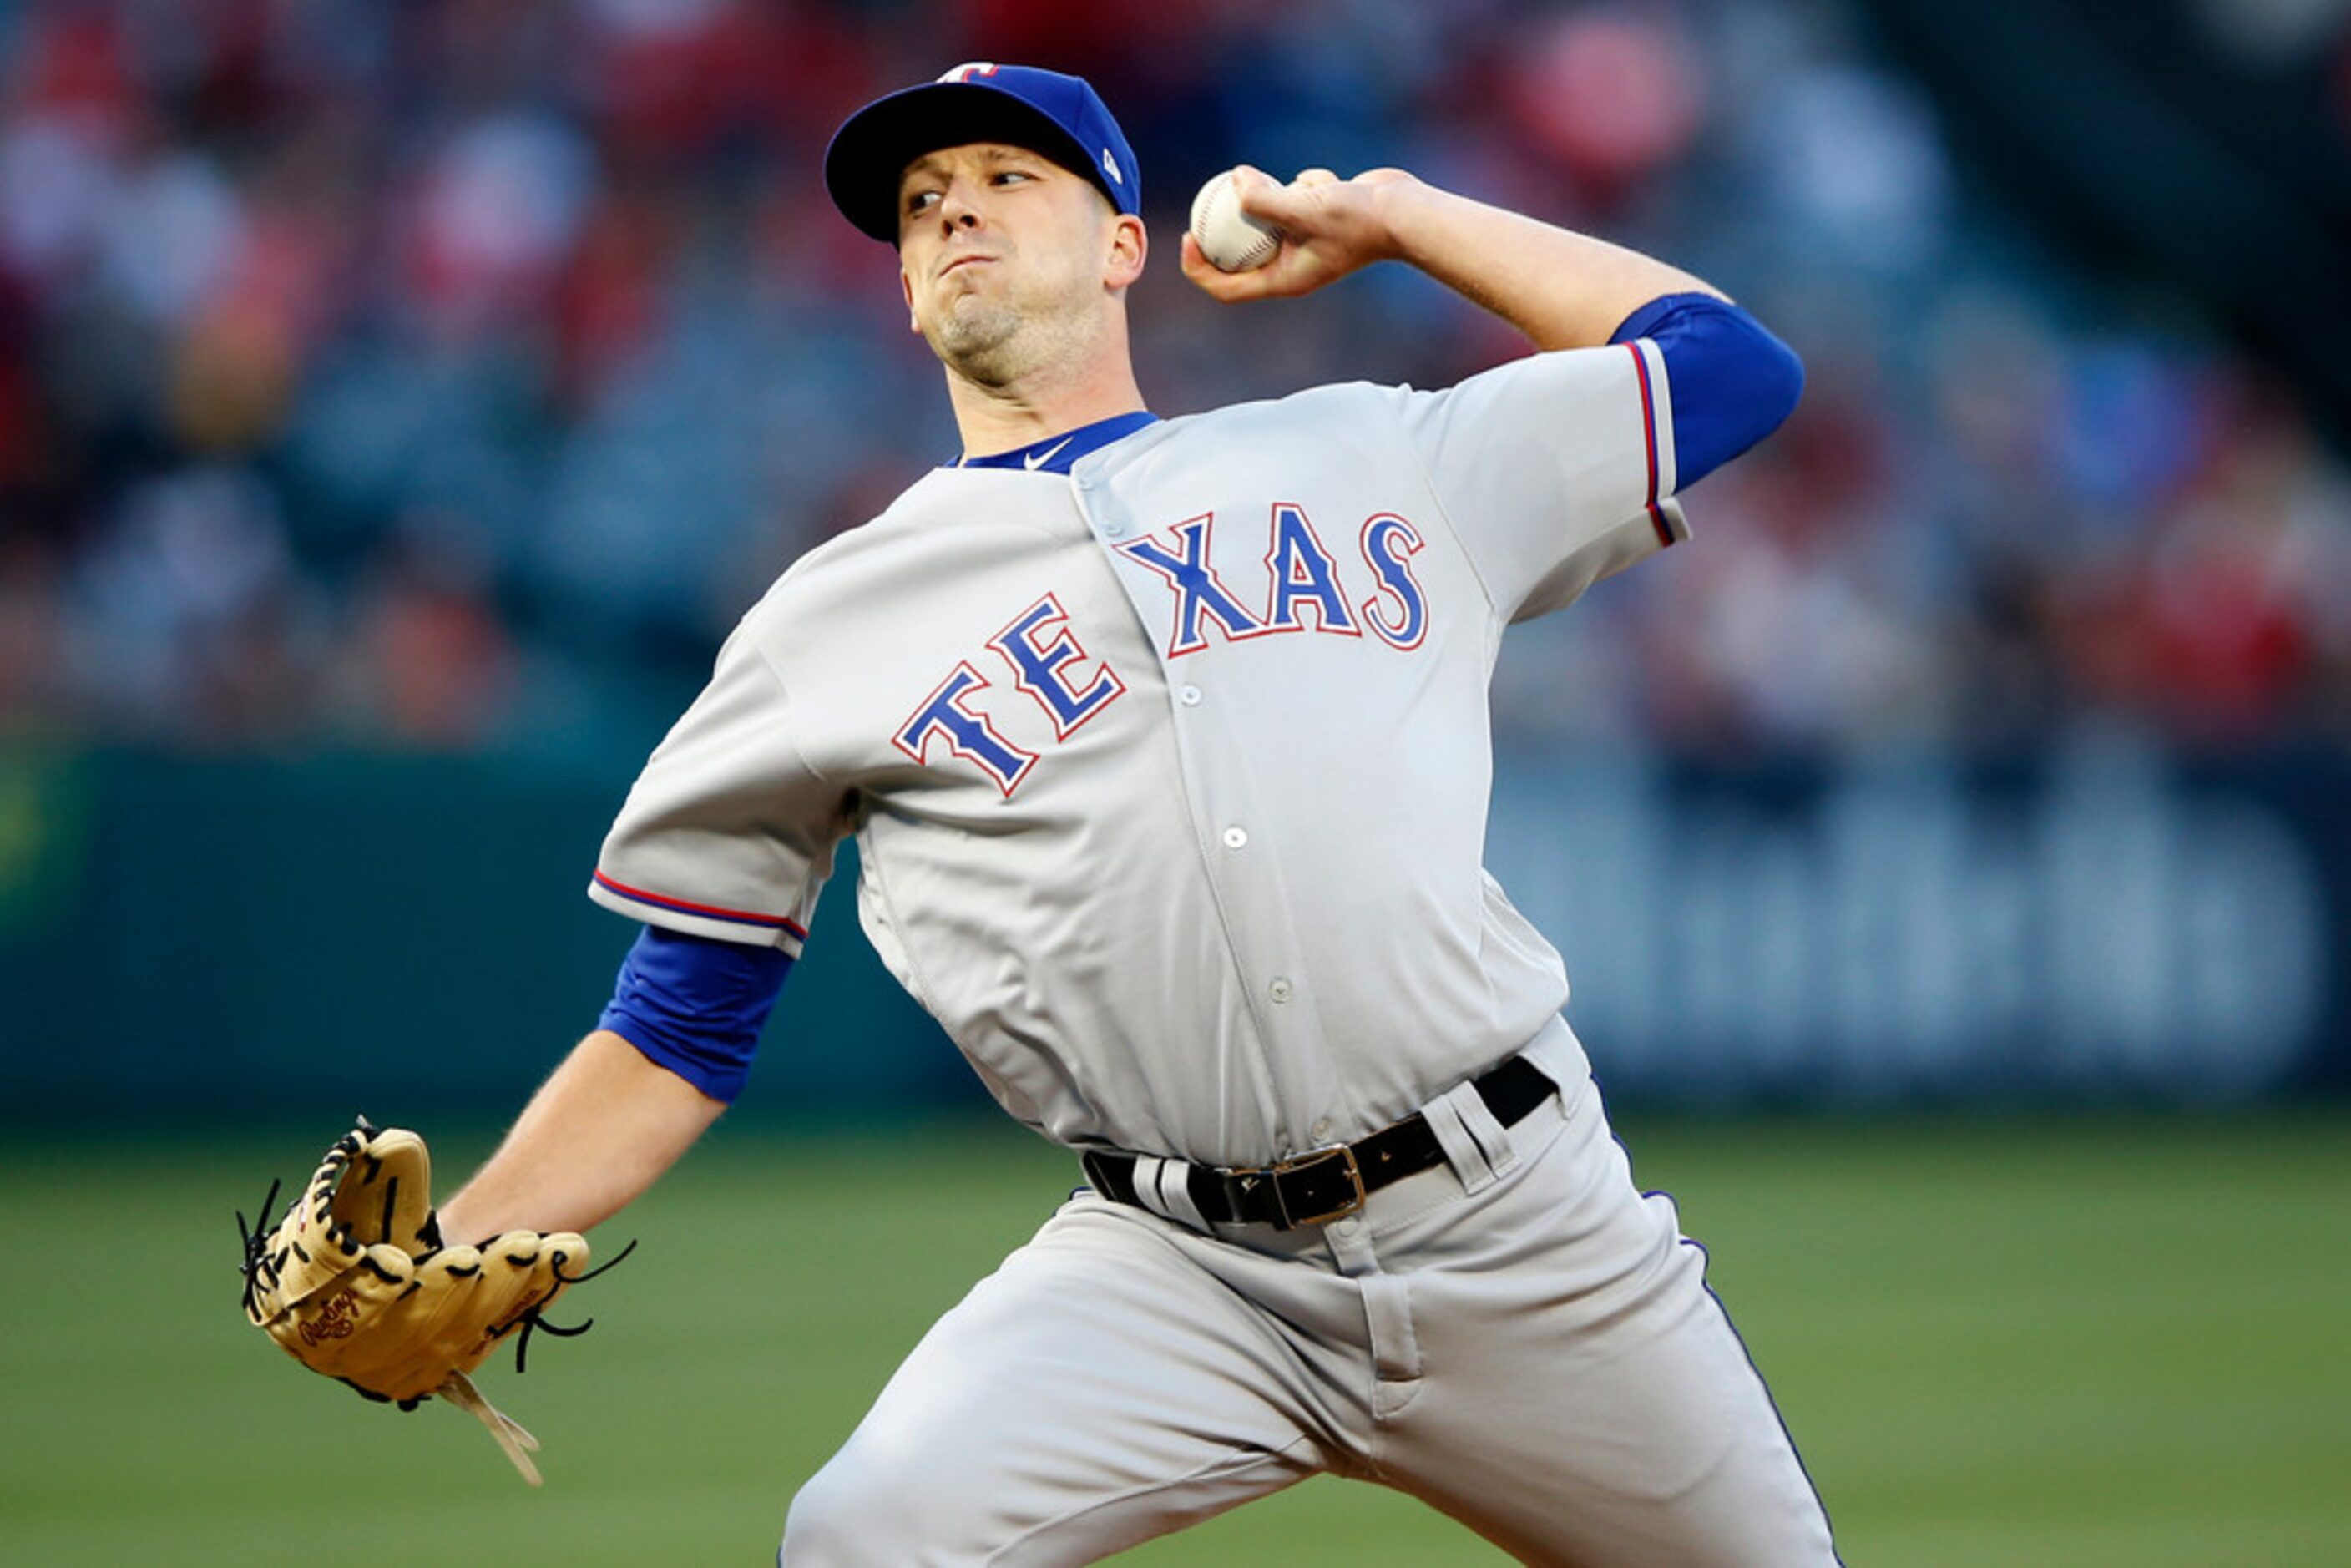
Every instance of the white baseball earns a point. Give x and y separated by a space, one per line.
1230 238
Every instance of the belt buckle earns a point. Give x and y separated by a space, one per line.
1312 1161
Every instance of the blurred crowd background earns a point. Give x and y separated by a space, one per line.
449 375
401 399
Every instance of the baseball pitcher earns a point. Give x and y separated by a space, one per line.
1164 743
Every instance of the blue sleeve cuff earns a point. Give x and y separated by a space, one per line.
1732 382
695 1006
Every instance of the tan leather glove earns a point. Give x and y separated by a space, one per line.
356 1284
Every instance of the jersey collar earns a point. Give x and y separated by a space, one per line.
1056 452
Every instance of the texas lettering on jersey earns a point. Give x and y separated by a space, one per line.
1042 653
1047 662
1302 581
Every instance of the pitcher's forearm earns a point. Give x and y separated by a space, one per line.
600 1132
1561 288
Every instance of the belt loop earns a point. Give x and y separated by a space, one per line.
1478 1147
1165 1187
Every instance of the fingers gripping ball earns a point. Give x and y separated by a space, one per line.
356 1284
1231 239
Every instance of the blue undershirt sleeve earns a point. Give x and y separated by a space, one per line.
1732 382
695 1005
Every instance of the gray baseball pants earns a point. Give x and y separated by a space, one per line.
1517 1337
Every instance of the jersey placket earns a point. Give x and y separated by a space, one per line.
1240 857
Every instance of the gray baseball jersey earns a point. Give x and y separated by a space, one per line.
1169 775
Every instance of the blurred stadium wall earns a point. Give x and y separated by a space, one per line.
214 937
398 403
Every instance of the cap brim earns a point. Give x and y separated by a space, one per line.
870 153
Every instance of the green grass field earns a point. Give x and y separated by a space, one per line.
2077 1344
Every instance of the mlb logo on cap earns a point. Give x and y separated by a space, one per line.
1059 116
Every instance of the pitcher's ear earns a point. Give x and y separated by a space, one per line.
1130 245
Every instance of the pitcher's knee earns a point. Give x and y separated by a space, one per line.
860 1515
838 1522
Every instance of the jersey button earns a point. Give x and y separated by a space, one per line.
1235 838
1321 1132
1191 696
1279 991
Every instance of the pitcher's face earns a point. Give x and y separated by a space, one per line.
1006 256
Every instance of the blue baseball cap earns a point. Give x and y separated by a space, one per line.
1059 116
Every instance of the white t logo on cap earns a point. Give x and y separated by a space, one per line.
969 70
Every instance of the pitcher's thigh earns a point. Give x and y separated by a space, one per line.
1587 1402
1663 1452
1096 1391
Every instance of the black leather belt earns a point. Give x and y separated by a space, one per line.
1325 1184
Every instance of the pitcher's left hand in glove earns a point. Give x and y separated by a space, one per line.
356 1283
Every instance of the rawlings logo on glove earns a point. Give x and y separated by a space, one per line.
334 1320
356 1283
